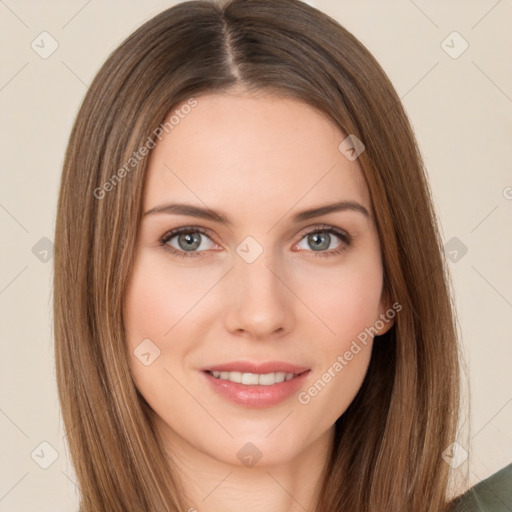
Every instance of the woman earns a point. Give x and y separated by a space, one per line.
251 307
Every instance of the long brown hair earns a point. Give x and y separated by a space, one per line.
387 453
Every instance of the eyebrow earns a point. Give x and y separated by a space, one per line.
215 216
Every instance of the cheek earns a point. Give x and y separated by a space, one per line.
348 305
346 298
334 388
155 304
165 305
158 300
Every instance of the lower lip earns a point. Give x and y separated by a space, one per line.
256 396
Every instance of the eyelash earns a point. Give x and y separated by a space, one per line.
345 238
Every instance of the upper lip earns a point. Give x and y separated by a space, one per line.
255 367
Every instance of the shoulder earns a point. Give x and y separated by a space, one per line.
493 494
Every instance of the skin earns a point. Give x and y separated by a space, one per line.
259 159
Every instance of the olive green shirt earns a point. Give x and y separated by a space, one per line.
491 495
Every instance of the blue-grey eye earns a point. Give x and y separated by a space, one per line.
189 241
320 241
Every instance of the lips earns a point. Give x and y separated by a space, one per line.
254 384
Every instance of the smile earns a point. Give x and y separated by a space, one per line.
256 385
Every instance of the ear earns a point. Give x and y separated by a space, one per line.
387 313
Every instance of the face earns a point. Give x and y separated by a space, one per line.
238 283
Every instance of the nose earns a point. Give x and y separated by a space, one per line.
259 304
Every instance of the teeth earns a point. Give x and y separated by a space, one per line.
253 379
234 377
271 378
250 379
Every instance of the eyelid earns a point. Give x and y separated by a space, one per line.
315 228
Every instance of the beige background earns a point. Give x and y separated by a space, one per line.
461 109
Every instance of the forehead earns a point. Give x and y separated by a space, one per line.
252 154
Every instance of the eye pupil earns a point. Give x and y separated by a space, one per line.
192 241
319 241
